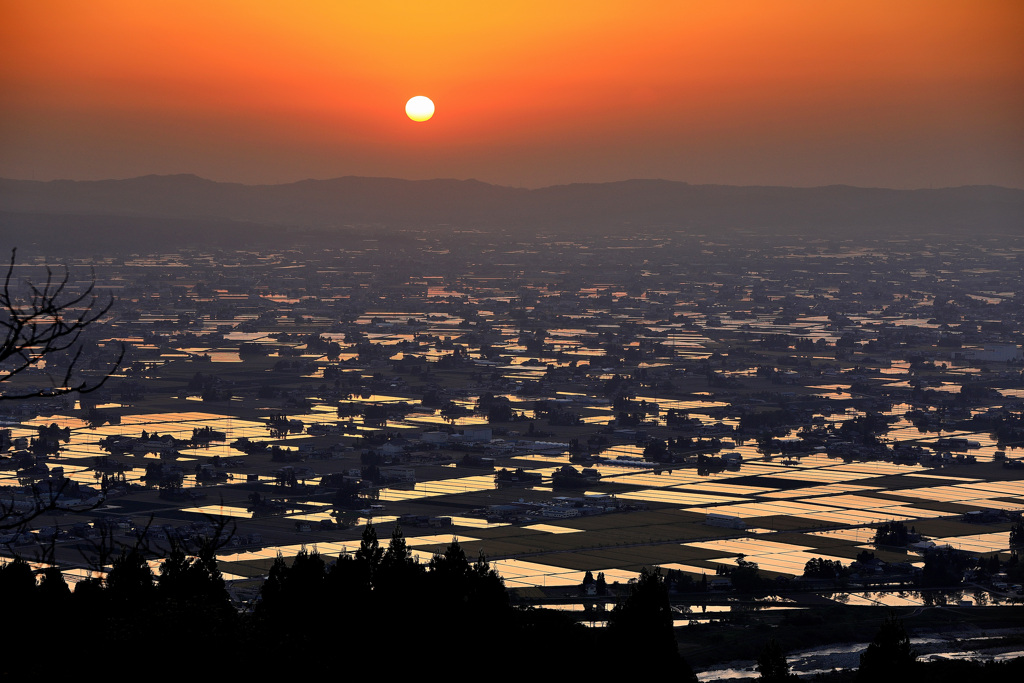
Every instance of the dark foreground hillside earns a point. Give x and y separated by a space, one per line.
379 609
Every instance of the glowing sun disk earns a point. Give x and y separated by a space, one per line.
419 108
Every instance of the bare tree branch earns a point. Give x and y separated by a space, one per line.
45 323
13 519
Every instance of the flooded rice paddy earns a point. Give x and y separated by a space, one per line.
688 403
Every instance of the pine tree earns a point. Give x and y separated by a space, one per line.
1017 536
130 579
588 581
370 553
452 564
889 654
53 588
643 623
272 592
772 664
646 614
399 571
397 553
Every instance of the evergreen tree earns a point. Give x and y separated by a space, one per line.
772 664
16 580
127 605
643 623
399 574
130 579
892 533
306 577
646 607
53 588
889 654
397 557
272 592
18 594
588 581
370 553
1017 536
488 595
746 577
452 564
193 604
193 580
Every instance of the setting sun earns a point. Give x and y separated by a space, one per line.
792 92
419 108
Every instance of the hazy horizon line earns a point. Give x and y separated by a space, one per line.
492 184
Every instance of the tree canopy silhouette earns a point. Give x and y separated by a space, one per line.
772 664
889 656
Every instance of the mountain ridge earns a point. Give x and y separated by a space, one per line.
662 204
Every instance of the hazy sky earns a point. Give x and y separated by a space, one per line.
892 93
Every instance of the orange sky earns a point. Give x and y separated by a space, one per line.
900 93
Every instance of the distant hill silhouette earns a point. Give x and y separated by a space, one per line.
216 211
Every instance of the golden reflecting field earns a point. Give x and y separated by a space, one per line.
829 506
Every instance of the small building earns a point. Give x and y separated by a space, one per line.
477 434
434 437
726 521
732 458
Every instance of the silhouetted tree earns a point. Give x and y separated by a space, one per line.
1017 536
642 623
892 533
746 576
588 581
889 655
370 554
820 568
772 664
130 579
399 572
45 322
